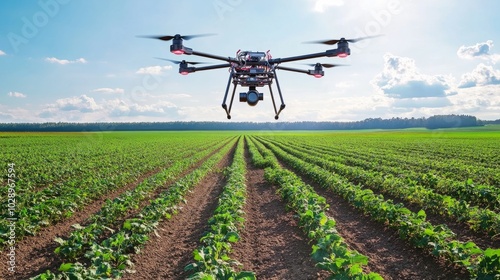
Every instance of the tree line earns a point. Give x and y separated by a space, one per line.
438 121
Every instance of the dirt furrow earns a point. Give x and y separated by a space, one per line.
35 254
272 245
165 257
389 255
461 229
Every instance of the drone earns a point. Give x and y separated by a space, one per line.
254 69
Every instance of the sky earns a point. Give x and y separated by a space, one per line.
81 61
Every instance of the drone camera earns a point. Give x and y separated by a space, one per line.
251 97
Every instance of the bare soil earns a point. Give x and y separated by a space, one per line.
35 254
166 256
390 256
461 229
272 245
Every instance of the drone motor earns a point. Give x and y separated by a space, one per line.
343 48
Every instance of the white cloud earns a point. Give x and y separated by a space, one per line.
327 109
65 61
83 104
6 117
343 85
206 113
109 90
482 75
483 102
321 6
411 93
425 102
153 70
25 114
121 108
2 53
85 108
16 94
178 96
402 79
481 50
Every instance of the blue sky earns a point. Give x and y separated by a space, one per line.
80 61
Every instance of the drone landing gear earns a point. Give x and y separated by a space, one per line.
274 104
224 106
281 97
235 84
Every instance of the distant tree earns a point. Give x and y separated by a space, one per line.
440 121
450 121
490 122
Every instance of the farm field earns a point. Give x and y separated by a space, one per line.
407 204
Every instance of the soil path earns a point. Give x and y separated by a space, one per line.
166 256
272 245
35 254
390 256
461 229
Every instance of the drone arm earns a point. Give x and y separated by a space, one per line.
212 56
211 67
292 69
328 53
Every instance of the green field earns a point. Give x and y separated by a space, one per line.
437 190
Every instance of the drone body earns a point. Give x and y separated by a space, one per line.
253 69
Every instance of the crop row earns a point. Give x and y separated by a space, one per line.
483 264
477 218
330 252
484 170
211 259
61 159
111 257
55 159
113 211
465 149
107 165
480 195
63 202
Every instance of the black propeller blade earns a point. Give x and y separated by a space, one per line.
335 41
326 65
179 62
170 37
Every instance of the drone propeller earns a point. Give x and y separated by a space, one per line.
326 65
179 62
177 36
335 41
